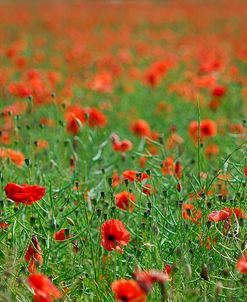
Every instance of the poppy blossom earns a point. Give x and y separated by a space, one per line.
96 118
114 235
188 213
242 264
44 289
219 215
120 146
128 291
148 189
218 91
146 279
132 175
61 235
16 157
140 128
74 116
4 225
245 170
125 201
33 255
24 193
208 128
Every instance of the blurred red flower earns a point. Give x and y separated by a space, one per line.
140 128
33 255
61 235
24 193
242 264
125 200
44 289
128 291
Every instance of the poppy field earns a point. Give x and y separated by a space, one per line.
123 151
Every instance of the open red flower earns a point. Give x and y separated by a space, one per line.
146 279
219 215
125 201
24 193
132 175
61 235
128 291
33 255
242 264
245 170
140 128
96 118
74 116
120 146
114 235
188 213
44 289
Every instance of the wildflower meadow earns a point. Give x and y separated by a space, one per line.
123 151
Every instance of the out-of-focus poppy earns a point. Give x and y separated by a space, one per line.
218 91
96 118
208 128
74 116
128 291
188 213
140 128
120 146
132 175
146 279
44 289
33 255
24 193
61 235
125 200
242 264
245 170
211 150
16 157
4 225
148 189
114 235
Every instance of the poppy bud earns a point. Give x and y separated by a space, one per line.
179 187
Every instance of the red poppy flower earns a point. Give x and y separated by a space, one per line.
125 200
33 255
140 128
146 279
114 235
75 116
128 291
61 235
219 215
44 289
96 118
4 225
242 264
120 146
24 193
168 166
208 128
218 91
188 213
133 175
245 170
148 189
